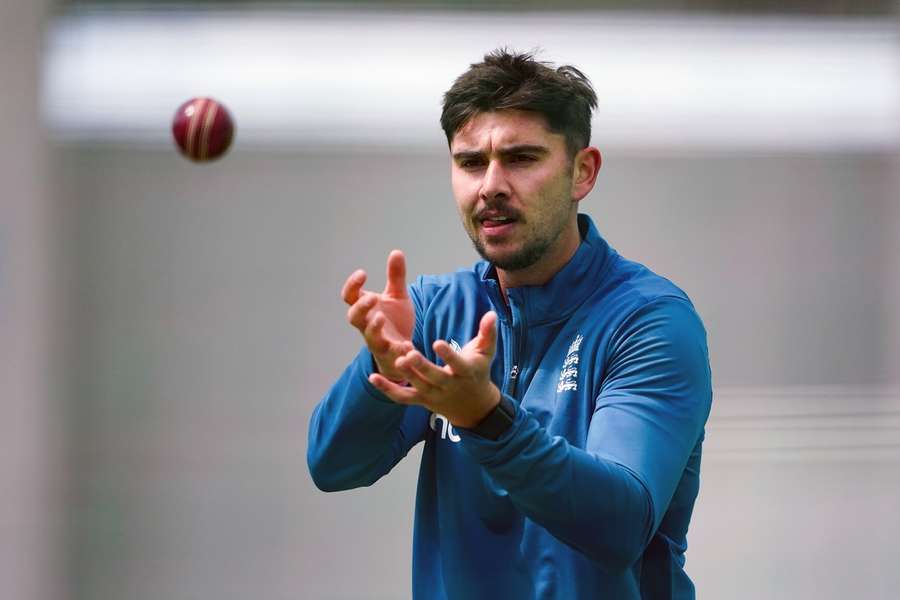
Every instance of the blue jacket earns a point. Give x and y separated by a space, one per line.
589 494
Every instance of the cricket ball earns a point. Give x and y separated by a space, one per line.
203 129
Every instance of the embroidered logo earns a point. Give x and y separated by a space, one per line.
568 375
455 345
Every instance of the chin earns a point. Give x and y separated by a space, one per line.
497 254
511 260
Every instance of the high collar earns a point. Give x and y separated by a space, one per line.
565 291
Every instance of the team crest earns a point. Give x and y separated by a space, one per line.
568 375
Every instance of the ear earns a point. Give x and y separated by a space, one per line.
585 167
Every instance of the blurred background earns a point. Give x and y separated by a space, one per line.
166 328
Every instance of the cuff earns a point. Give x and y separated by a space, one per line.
498 421
364 365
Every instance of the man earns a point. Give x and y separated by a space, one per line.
560 389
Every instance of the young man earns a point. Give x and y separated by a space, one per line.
560 389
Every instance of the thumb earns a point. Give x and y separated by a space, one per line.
487 334
396 275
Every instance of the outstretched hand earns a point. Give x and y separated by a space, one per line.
385 319
461 390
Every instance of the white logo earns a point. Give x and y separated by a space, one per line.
568 375
446 427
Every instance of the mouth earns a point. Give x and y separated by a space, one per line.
496 223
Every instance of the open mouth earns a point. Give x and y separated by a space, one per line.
494 222
498 227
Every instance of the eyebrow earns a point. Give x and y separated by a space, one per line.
508 151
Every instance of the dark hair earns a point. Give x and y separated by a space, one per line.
510 80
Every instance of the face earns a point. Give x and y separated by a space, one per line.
512 180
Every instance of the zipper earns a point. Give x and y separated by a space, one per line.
512 347
513 374
510 374
516 337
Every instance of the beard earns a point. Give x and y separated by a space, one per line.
528 255
541 230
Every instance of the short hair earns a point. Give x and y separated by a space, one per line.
510 80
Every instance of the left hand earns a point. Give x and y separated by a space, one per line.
461 390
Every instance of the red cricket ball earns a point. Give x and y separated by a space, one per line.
203 129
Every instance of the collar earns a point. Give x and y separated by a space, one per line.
565 291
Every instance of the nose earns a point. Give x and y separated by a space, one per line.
494 184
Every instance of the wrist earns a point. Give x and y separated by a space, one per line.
393 378
471 418
497 421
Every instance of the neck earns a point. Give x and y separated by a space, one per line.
549 265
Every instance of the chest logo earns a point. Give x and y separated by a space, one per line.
568 375
446 427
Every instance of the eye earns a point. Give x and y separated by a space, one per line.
522 158
471 163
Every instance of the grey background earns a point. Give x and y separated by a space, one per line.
786 256
167 329
208 324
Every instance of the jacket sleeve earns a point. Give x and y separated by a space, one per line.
607 499
356 433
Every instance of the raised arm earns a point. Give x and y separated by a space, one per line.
386 320
356 434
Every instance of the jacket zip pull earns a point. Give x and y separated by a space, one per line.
513 373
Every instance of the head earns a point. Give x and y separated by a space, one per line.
516 81
518 132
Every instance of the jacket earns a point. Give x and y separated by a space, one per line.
590 492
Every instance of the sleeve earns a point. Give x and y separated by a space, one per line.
356 433
607 499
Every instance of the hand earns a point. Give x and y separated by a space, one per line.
461 390
385 320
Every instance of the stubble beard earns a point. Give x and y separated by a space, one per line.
531 253
534 249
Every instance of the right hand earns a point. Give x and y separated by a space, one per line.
385 320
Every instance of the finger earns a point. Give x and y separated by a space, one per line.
396 275
415 366
407 366
452 358
398 393
359 312
353 285
487 334
399 348
415 379
374 334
